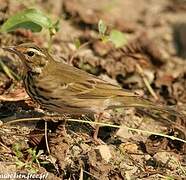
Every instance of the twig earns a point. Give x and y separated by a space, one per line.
8 71
81 174
90 174
46 138
140 71
77 51
7 149
103 124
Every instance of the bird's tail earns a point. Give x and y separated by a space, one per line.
139 102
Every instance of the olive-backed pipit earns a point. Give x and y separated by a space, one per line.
62 88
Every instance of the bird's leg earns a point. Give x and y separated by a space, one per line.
99 117
96 131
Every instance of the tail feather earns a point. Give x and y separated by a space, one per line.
138 102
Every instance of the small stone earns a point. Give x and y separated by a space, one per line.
129 147
162 157
170 159
147 157
104 152
124 133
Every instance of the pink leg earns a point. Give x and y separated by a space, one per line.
97 119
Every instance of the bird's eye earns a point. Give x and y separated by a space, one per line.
30 53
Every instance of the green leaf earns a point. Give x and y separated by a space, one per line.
102 27
117 38
17 150
31 19
105 39
56 25
77 43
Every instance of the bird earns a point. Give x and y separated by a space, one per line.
63 88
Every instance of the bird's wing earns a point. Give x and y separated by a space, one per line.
96 89
70 81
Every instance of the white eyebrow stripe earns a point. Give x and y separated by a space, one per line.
36 51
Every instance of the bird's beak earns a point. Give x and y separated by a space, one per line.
13 49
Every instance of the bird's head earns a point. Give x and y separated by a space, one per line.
33 57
